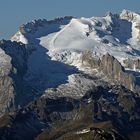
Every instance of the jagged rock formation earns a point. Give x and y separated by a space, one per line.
132 64
88 59
111 67
66 77
12 70
31 28
128 15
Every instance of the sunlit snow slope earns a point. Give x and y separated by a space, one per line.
118 34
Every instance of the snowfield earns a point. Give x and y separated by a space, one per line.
110 34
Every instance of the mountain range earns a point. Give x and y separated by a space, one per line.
72 79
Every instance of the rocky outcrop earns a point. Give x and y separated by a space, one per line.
94 111
7 94
88 59
128 15
102 109
13 67
111 67
138 28
18 54
93 133
132 64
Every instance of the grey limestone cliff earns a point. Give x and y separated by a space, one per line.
111 67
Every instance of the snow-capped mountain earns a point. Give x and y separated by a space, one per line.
71 71
117 34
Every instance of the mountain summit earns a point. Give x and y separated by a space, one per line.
117 34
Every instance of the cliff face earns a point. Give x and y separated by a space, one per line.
111 67
56 83
102 108
13 67
114 70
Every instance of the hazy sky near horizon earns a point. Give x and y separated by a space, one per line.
14 13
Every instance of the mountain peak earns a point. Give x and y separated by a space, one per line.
129 15
66 67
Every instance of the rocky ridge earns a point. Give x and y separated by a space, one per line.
103 109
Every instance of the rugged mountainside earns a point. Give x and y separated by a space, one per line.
72 78
107 112
13 67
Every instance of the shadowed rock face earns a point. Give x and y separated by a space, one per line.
15 89
31 27
103 112
80 105
11 74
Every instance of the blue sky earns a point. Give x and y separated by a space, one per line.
13 13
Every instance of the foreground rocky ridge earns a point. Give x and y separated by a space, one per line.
103 112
